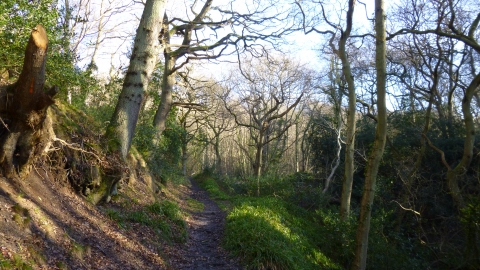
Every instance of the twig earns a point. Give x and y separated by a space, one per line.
407 209
38 172
5 125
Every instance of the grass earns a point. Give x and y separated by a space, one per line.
273 232
195 205
16 262
164 218
269 233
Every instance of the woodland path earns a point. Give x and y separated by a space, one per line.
205 230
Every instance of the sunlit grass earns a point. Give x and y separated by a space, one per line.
265 233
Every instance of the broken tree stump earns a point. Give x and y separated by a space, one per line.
24 127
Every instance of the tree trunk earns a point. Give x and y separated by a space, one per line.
218 156
360 260
351 125
457 172
168 81
142 63
257 166
24 128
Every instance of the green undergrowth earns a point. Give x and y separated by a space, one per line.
16 262
268 233
164 218
275 232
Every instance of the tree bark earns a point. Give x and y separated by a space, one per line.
168 81
142 63
456 173
360 260
24 130
351 124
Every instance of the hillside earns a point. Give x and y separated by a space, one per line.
50 220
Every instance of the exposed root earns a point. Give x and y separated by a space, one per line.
73 147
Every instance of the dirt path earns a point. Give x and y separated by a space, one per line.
203 248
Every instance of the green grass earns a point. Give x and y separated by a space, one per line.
269 233
274 232
195 205
16 262
163 217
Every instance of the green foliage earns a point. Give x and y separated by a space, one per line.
17 19
16 262
322 141
292 226
386 247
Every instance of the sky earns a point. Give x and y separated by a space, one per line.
302 47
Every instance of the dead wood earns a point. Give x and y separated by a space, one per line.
25 129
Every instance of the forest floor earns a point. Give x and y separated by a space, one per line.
44 224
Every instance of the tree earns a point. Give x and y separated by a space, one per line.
142 63
360 260
450 25
267 92
25 129
204 38
340 49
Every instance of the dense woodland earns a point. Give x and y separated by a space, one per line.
372 145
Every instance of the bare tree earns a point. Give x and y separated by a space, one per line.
339 48
268 91
88 24
449 24
360 260
205 38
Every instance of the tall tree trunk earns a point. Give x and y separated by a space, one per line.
24 129
360 260
257 165
168 81
351 124
142 63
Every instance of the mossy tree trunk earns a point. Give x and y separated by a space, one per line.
24 128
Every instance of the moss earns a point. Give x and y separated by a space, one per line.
113 143
100 193
21 216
